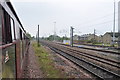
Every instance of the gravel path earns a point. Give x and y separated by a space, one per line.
31 68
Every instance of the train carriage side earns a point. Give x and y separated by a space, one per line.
12 42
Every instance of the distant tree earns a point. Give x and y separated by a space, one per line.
57 38
42 38
28 35
33 37
51 38
65 38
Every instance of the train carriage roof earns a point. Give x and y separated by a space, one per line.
13 11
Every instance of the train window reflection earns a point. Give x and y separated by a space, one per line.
7 28
12 29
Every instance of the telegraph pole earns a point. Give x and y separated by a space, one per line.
114 25
38 36
94 34
71 36
54 31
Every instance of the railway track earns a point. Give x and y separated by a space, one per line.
94 57
106 51
100 46
98 71
111 64
113 57
97 58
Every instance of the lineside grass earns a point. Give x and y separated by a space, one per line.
46 64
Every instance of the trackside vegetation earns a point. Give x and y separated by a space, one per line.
46 64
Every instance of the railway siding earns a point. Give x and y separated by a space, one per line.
104 55
109 65
97 70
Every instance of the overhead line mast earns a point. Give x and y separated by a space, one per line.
114 25
119 24
54 31
71 36
38 36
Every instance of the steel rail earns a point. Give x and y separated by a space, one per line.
93 49
94 69
97 58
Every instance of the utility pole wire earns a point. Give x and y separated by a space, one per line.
96 19
102 23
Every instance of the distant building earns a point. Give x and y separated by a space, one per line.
108 37
84 37
100 39
76 37
93 37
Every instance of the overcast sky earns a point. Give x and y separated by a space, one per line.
83 15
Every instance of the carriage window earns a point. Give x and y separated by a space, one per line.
17 31
23 36
12 29
8 38
2 28
20 34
